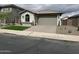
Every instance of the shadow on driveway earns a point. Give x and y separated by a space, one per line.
15 44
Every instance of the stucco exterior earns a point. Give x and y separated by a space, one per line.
69 26
32 18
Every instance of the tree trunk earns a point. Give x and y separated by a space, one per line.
4 22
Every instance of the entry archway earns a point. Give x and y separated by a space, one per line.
27 17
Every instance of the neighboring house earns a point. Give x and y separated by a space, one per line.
71 21
69 25
14 11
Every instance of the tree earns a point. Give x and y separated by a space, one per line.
4 16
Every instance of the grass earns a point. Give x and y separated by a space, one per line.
14 27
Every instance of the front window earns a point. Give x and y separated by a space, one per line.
6 9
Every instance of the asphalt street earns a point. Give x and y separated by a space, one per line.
16 44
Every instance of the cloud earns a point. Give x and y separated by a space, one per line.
65 8
55 7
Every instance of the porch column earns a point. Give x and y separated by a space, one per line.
58 20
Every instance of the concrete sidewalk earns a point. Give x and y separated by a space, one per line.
43 35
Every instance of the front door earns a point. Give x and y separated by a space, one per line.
27 18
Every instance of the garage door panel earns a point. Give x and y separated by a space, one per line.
47 21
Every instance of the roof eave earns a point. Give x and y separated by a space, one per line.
12 5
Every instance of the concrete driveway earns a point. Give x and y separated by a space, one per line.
43 28
10 43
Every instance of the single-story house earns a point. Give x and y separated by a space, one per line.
50 20
26 16
47 21
44 18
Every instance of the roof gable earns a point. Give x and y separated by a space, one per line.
26 11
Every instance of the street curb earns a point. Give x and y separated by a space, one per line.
43 35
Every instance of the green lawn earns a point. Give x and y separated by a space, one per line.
13 27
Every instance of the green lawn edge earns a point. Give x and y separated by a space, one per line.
14 27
